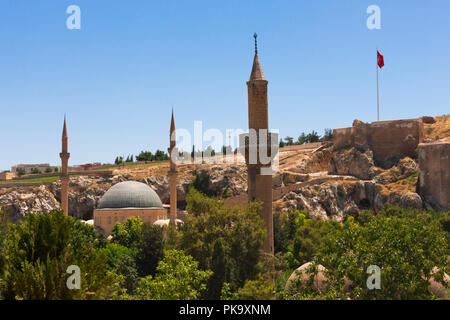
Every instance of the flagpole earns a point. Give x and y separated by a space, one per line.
378 96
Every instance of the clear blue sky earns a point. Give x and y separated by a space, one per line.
118 77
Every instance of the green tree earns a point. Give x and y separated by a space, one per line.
3 236
85 236
218 264
127 268
312 137
121 260
259 289
302 138
298 238
241 231
209 152
406 247
177 278
289 141
144 156
39 251
161 155
127 234
119 160
328 135
150 249
146 240
202 183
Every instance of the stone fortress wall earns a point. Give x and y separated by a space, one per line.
388 140
434 176
392 140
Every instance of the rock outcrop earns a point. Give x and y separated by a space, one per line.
86 192
404 169
351 161
24 200
302 274
336 199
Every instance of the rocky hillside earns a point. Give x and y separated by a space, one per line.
86 192
437 128
327 183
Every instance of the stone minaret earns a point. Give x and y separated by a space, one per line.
173 173
259 185
64 172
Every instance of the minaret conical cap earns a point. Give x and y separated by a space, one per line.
257 72
172 131
64 134
172 124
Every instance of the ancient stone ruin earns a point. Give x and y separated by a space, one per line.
389 141
360 149
434 177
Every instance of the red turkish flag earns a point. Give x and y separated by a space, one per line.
380 60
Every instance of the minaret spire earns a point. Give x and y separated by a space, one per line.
257 72
64 176
173 152
64 128
172 130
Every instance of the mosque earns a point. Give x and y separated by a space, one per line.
134 199
129 198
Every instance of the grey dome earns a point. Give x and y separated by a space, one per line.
130 194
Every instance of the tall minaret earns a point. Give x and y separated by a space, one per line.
173 151
64 171
259 185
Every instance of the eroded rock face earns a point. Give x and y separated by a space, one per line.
25 200
86 192
335 200
404 169
318 161
354 163
233 178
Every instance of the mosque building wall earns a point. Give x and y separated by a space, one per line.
105 219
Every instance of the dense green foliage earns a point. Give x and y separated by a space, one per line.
145 241
159 155
177 278
216 255
405 244
122 261
306 138
298 238
241 233
202 183
38 253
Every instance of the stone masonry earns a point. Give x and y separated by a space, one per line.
388 140
434 177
